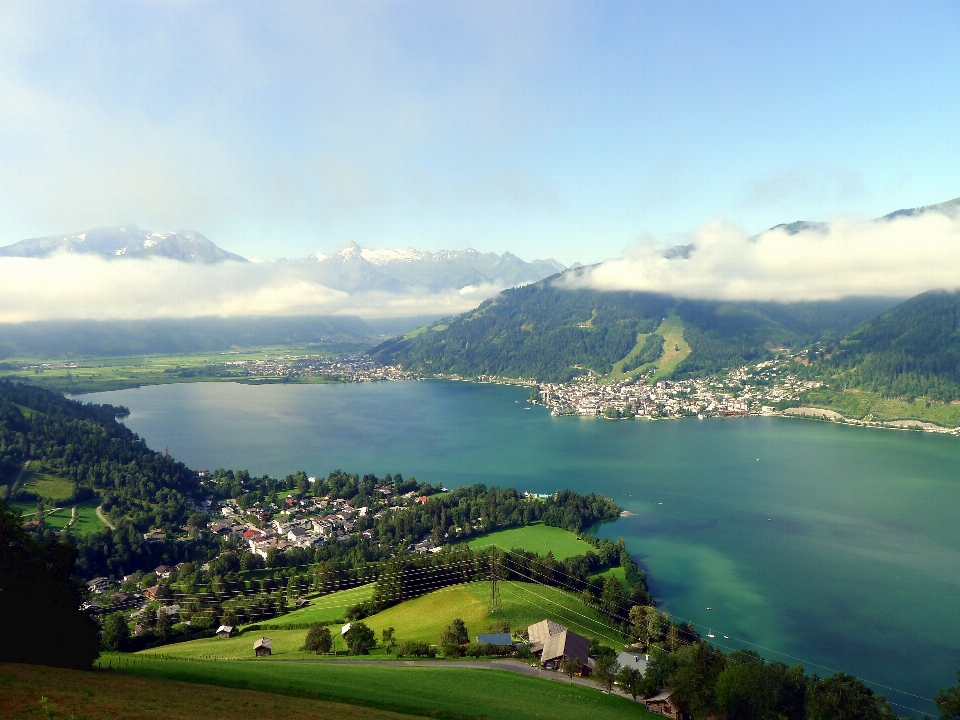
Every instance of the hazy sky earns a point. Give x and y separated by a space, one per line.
549 129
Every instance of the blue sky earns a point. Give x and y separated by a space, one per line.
557 129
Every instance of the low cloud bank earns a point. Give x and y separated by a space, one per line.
83 287
899 257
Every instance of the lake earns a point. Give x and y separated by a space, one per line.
835 545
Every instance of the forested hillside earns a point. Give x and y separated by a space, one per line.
910 351
551 334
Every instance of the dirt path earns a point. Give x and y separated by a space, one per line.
515 666
103 519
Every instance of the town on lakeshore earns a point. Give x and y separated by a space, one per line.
765 388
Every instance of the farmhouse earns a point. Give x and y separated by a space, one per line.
538 634
566 646
552 643
662 704
262 647
224 631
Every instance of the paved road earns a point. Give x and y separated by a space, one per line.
104 520
515 666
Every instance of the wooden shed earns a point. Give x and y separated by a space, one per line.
262 647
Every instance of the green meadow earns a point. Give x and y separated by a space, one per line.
422 618
537 538
442 690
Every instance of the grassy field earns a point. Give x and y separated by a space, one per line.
84 695
444 690
616 572
422 618
327 607
100 374
86 522
675 348
538 538
45 484
617 373
862 405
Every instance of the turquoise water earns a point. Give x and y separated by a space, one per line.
836 545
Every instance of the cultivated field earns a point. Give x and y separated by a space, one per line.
538 538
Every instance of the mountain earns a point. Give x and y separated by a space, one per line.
127 241
354 268
553 334
909 351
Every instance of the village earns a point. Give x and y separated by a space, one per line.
349 368
761 389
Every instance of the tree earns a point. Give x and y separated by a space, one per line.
453 638
41 600
693 682
844 697
318 639
115 633
387 637
629 679
360 639
948 701
605 672
570 667
612 597
164 625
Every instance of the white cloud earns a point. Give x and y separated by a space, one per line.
84 287
899 257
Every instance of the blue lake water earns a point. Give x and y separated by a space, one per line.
838 546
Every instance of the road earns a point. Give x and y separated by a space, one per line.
104 520
515 666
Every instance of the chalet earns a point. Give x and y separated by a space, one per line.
122 598
662 703
155 536
151 592
498 639
224 631
262 647
163 571
98 585
301 603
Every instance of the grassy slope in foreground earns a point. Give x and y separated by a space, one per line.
537 538
422 618
444 690
116 695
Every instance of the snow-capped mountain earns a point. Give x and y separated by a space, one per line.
354 268
351 269
127 241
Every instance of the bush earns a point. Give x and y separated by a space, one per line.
413 648
362 610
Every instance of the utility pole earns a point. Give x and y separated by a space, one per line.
495 605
